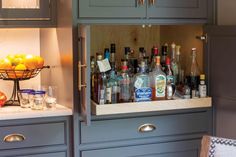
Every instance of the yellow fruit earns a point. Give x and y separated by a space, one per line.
20 67
5 64
16 61
30 62
10 57
40 61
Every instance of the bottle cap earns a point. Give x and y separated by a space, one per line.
124 67
202 77
99 56
173 45
155 51
167 61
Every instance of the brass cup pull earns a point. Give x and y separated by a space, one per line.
80 66
151 2
146 128
14 138
141 2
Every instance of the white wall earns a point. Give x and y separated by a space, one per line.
13 41
226 12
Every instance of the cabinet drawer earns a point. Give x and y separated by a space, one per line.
42 134
61 154
125 129
171 149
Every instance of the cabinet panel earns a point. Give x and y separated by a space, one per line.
60 154
171 149
111 9
32 135
178 9
124 129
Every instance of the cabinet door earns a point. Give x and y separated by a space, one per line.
112 9
61 154
24 10
177 9
172 149
220 51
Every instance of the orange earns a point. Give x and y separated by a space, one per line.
30 62
5 64
40 62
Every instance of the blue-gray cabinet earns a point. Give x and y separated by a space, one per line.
41 13
42 137
146 9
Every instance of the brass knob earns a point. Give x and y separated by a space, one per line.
14 138
146 128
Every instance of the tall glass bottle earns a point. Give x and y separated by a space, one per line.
112 58
170 85
92 74
194 74
158 82
153 58
100 80
164 51
178 61
125 84
174 64
112 89
142 87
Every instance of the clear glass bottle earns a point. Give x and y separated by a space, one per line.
153 58
112 89
170 85
194 74
178 61
158 84
100 80
125 84
142 85
174 64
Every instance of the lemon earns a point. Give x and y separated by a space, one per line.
20 67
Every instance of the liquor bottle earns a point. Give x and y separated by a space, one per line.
142 89
112 59
164 51
170 85
100 80
112 89
194 74
202 87
153 58
146 60
125 84
92 66
178 61
158 84
107 54
174 64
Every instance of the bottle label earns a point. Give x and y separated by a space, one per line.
138 83
104 65
170 79
108 95
202 91
160 86
143 94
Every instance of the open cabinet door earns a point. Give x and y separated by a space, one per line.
221 59
84 73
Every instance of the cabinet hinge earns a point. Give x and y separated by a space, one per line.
203 38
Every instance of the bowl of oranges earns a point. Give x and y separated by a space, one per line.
20 66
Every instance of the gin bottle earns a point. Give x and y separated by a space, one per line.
142 87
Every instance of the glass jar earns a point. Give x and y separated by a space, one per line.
24 97
38 101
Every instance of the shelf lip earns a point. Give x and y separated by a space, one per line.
16 112
151 106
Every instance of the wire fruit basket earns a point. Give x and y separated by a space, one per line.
17 76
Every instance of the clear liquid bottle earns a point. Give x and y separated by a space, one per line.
142 85
174 64
170 84
125 84
112 89
178 62
158 84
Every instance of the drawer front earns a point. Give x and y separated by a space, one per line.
61 154
172 149
44 134
125 129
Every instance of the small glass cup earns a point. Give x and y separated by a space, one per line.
38 100
51 97
24 97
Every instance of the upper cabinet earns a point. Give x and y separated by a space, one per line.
152 11
25 13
